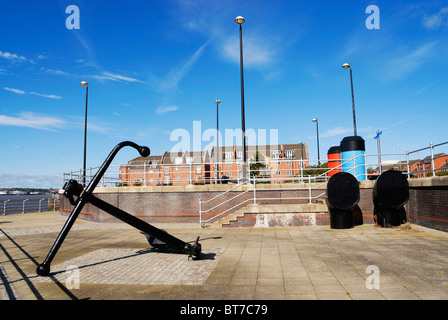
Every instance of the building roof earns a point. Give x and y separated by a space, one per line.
186 157
438 155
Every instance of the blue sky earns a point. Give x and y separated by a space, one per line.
157 66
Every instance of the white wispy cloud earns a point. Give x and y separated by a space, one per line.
336 132
436 20
409 62
32 120
12 56
166 109
112 77
169 83
339 131
56 72
49 96
262 45
18 91
257 50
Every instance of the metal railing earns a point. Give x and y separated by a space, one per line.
26 204
273 171
370 171
203 212
310 183
423 170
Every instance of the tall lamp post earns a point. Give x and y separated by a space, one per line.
86 85
217 139
346 66
317 128
240 20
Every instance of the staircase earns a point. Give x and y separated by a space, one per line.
274 215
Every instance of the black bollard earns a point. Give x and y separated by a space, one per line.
342 198
390 194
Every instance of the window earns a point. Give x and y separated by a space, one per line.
178 160
177 168
228 155
229 174
275 154
289 173
278 172
167 170
288 163
178 178
289 154
229 165
239 155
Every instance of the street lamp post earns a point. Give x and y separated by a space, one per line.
86 85
317 129
346 66
240 20
217 139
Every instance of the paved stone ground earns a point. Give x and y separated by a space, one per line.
296 263
136 267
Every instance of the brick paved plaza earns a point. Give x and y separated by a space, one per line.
114 261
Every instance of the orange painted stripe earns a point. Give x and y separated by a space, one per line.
152 214
298 217
429 218
83 212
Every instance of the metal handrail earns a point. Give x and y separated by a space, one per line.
274 170
227 191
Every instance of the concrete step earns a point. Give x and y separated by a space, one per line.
226 219
264 213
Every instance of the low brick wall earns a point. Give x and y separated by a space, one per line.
428 202
427 205
180 204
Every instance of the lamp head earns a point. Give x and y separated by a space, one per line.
239 20
84 83
346 66
218 101
315 120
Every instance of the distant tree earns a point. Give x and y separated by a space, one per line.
315 170
257 167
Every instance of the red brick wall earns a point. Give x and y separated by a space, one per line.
428 206
183 207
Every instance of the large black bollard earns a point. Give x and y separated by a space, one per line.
342 199
390 194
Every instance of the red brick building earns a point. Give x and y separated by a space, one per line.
424 167
201 167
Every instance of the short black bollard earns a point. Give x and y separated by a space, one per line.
390 194
342 198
